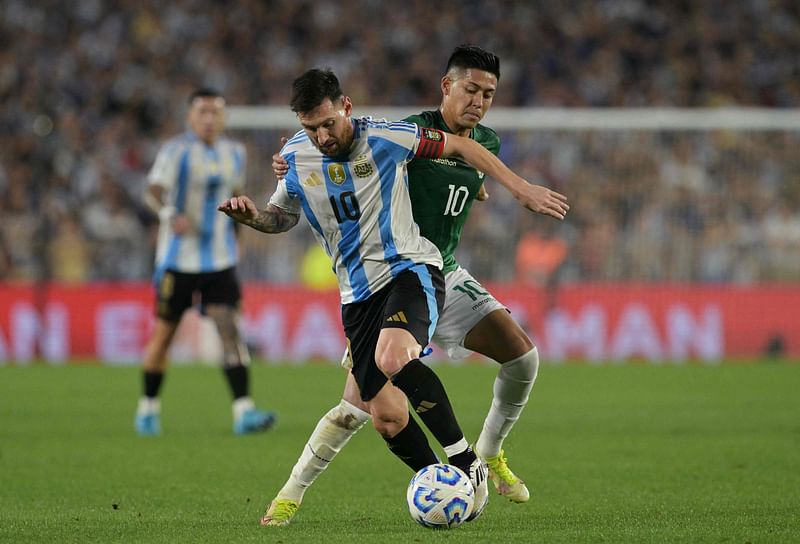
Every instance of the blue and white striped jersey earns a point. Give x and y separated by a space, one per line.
358 205
196 178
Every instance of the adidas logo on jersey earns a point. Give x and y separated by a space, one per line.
424 406
399 316
312 180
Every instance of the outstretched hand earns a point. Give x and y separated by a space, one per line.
239 208
543 200
279 164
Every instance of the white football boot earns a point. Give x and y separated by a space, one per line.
478 472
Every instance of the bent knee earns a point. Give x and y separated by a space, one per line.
509 347
395 348
390 365
522 344
392 359
516 340
389 420
524 368
387 428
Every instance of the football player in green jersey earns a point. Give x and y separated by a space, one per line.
442 193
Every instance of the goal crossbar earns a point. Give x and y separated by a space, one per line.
280 117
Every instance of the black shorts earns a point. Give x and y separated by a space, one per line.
178 291
412 301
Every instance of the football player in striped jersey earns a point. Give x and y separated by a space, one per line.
472 319
348 176
196 256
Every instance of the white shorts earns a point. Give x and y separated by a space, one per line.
466 302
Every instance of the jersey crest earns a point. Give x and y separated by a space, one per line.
336 173
362 167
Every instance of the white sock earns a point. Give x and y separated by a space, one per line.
148 405
333 431
512 387
241 405
454 449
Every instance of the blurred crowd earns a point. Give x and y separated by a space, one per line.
89 89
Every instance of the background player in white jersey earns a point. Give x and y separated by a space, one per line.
197 254
355 197
472 319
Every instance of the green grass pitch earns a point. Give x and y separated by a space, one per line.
611 453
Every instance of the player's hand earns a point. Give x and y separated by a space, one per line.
279 164
483 194
543 200
239 208
181 224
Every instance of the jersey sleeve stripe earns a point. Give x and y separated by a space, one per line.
402 127
297 138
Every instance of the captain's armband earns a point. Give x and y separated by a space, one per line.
431 143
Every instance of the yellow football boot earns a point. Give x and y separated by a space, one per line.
506 482
280 512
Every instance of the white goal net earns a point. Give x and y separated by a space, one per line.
657 195
682 241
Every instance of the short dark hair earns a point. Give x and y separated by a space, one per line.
203 92
314 86
471 56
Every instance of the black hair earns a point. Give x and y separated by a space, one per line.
203 92
314 86
471 56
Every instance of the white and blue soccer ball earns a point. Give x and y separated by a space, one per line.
440 496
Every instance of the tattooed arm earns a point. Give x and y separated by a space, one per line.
271 219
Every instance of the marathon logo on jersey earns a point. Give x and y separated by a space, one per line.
447 162
336 173
433 135
362 167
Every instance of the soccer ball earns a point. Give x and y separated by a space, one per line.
440 496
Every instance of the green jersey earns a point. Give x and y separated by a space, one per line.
443 190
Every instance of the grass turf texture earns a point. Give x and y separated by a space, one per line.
611 454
